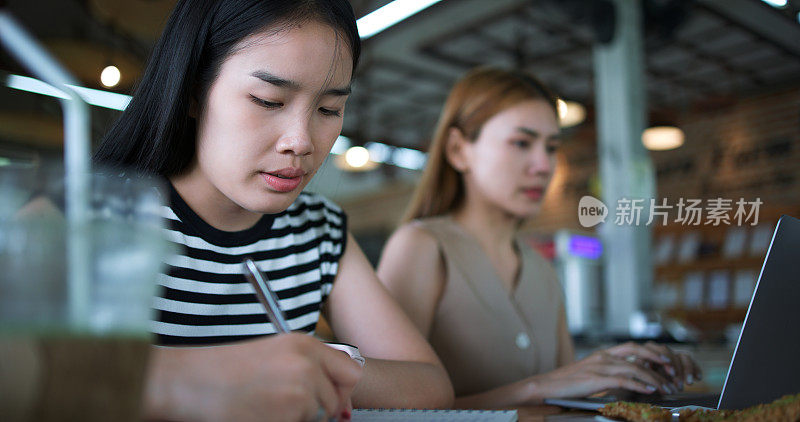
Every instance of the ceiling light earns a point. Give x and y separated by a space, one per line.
378 152
660 138
95 97
357 156
570 113
775 3
409 158
389 15
110 76
355 159
562 108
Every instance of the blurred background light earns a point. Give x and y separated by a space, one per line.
570 113
341 145
378 152
389 15
776 3
110 76
94 97
408 158
357 156
660 138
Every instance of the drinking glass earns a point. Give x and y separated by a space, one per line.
54 366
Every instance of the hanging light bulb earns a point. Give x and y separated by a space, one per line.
570 113
110 76
661 138
562 108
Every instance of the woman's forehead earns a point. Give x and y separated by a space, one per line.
311 53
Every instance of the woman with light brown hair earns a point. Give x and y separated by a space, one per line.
490 306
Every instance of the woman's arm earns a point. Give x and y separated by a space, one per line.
413 271
603 370
566 348
401 369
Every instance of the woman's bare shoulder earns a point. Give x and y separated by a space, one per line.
413 236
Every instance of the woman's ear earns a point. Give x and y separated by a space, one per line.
457 150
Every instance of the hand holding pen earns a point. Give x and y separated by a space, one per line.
269 300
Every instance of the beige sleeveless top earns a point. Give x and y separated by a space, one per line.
485 336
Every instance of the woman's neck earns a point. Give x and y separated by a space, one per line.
213 206
494 228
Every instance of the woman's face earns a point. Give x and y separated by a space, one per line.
510 164
271 116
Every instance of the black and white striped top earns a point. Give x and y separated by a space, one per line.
204 297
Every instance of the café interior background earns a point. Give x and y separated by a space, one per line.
725 72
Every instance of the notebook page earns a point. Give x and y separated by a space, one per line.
404 415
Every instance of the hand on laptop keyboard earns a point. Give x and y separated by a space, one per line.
640 368
677 366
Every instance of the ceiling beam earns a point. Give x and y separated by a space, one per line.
758 19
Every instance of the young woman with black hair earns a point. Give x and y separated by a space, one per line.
238 107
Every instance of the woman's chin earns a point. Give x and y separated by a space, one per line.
527 211
273 204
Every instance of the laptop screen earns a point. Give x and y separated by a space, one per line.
766 361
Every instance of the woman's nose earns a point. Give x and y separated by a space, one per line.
541 162
296 139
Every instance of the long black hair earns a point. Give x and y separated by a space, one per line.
155 134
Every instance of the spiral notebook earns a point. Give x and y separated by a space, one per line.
403 415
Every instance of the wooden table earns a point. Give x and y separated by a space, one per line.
552 413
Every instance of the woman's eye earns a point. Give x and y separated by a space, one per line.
551 148
521 143
330 112
265 103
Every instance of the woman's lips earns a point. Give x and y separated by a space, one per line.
534 194
282 184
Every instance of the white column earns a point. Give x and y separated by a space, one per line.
625 167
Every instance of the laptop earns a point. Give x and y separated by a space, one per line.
766 362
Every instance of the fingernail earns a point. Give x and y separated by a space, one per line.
671 370
650 388
680 385
345 415
666 388
690 379
665 358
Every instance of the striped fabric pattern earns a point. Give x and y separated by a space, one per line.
204 297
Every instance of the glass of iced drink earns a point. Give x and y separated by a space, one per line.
68 354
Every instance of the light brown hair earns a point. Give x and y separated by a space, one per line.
476 97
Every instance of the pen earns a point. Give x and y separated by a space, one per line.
266 296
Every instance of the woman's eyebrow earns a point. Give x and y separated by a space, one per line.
275 80
528 131
534 134
295 86
339 92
